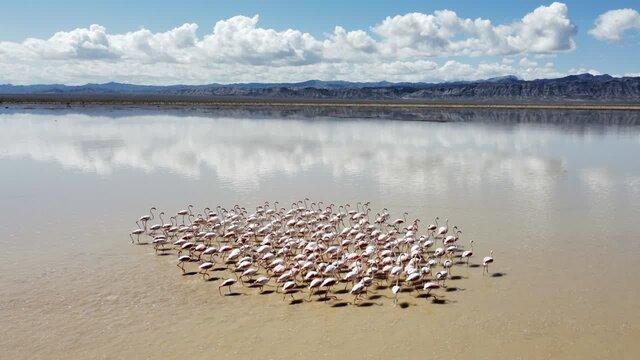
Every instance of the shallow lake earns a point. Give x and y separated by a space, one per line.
556 195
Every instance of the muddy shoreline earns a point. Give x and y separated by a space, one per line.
177 101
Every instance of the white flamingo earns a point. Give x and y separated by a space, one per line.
204 269
357 290
286 288
430 286
467 254
227 283
261 282
443 229
139 231
182 260
395 290
486 261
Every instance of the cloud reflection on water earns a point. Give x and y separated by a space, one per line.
418 155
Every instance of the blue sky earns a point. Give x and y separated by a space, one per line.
20 20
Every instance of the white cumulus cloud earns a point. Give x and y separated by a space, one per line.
547 29
399 48
612 24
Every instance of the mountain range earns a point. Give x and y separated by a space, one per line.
583 87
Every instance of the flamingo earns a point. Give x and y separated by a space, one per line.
143 219
447 264
349 277
443 229
399 221
139 231
395 290
289 285
261 282
467 254
249 272
450 239
204 268
357 290
181 260
211 250
184 213
157 227
414 277
227 283
315 283
433 227
327 283
430 286
395 271
442 276
486 261
158 244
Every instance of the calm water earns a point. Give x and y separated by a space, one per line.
557 200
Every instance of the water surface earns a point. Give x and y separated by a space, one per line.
554 194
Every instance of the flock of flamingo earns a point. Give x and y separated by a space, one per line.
310 247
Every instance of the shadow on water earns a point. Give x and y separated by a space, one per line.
326 297
368 304
213 278
296 302
453 289
498 274
189 273
404 305
340 304
233 294
267 292
456 277
439 301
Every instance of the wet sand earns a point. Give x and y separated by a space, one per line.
557 204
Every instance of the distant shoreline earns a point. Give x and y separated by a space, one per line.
74 101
